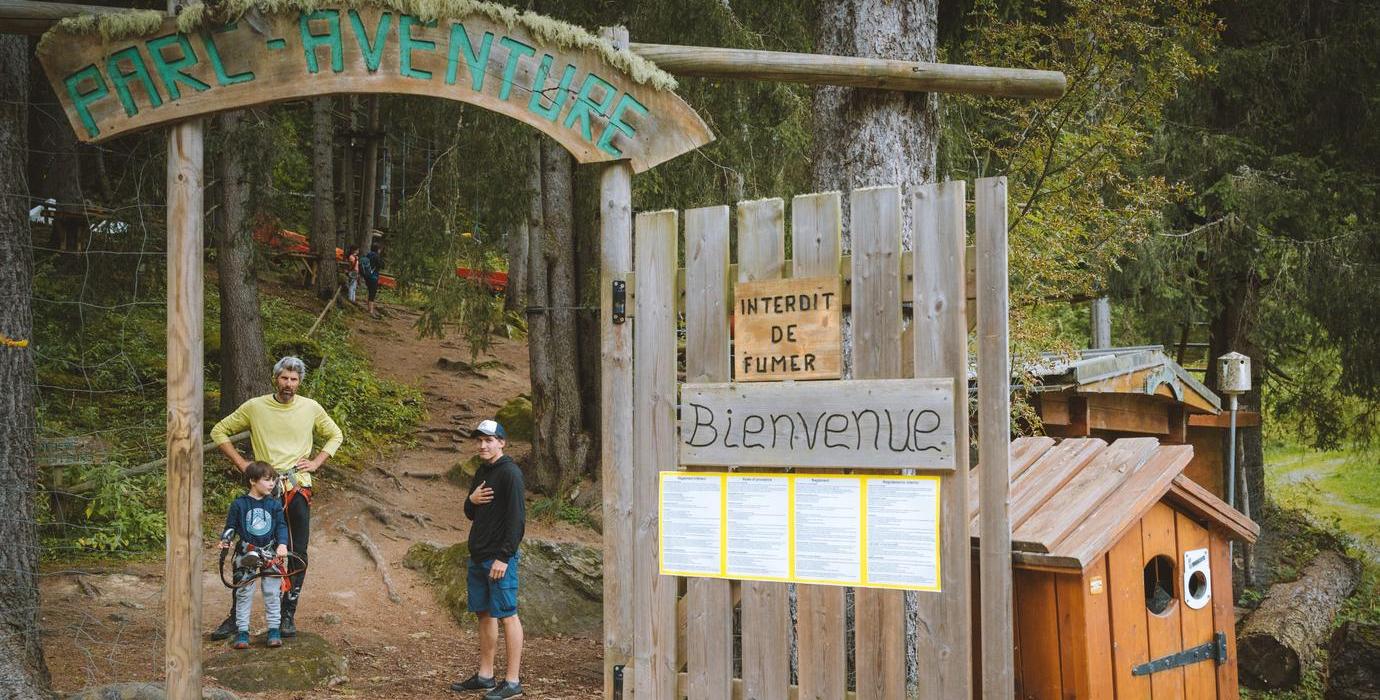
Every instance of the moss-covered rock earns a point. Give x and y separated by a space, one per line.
142 691
561 584
304 662
462 472
516 418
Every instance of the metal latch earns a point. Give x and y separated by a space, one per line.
618 682
620 301
1215 650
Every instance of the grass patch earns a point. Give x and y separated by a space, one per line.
1338 489
549 509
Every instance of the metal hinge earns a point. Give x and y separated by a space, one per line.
620 301
618 682
1215 650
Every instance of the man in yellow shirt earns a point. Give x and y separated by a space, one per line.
282 428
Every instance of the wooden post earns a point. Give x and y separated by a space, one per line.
654 435
994 434
821 627
879 625
944 637
616 386
709 602
766 608
182 578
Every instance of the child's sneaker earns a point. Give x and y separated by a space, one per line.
475 682
275 639
241 640
504 691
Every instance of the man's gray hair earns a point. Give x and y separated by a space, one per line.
291 364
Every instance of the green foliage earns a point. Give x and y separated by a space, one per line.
1081 196
552 509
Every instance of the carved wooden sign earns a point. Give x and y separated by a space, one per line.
787 329
574 95
863 423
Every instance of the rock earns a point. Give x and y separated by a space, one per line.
330 618
562 585
304 662
516 418
1354 662
463 471
142 691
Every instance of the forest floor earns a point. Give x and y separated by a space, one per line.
1340 489
103 624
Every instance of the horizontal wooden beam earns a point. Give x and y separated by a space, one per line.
34 18
852 71
1244 419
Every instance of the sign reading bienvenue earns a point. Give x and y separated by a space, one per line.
860 423
596 111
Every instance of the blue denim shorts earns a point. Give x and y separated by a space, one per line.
497 598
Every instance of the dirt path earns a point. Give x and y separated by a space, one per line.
106 626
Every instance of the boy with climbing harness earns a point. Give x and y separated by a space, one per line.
256 518
282 428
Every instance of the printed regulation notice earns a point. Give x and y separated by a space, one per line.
691 518
828 530
758 527
903 532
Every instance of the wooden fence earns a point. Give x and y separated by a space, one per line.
677 636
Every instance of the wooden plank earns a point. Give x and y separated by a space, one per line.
788 329
1126 590
1244 419
1200 679
1224 616
1209 458
616 414
765 606
1141 489
943 631
879 615
182 577
792 692
1198 501
654 392
1049 475
1054 409
237 67
1097 631
994 415
1073 639
1164 629
1037 621
820 626
1026 454
1127 414
1067 508
709 624
883 423
875 73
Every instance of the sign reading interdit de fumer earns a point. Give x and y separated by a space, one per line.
573 95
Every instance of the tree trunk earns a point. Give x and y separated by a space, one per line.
1279 639
371 178
53 163
345 213
1353 663
23 674
243 357
865 138
560 443
519 240
323 203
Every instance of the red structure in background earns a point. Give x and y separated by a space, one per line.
296 245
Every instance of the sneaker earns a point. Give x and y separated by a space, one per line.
504 690
241 640
226 629
475 682
274 638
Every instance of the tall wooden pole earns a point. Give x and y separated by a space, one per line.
182 580
615 372
994 435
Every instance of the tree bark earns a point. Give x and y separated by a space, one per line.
519 241
560 442
1279 639
863 137
243 356
323 203
23 673
346 212
371 178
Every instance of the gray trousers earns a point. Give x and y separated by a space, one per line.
244 602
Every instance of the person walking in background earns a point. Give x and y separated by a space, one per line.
351 272
498 508
369 267
282 428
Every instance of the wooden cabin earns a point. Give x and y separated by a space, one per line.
1124 392
1122 579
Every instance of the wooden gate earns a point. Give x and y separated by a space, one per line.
672 637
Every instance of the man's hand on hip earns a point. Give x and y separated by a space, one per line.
498 569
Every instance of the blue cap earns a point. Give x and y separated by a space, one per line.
491 428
